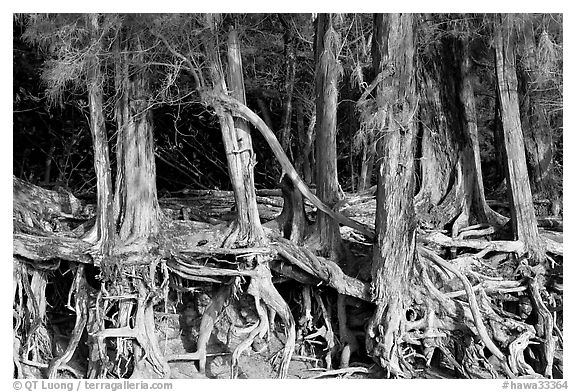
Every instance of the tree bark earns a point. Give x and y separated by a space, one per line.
395 247
238 144
436 153
104 228
474 200
366 166
326 104
535 124
308 150
265 112
289 78
137 207
519 194
301 160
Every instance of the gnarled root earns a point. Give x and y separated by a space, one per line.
143 332
209 318
516 359
545 325
327 333
79 286
261 329
383 342
261 287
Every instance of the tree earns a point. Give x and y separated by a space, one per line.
519 193
137 212
289 80
538 94
422 294
327 42
394 250
104 228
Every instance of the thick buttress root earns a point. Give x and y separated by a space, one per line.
261 287
383 342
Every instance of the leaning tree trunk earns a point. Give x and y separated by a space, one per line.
519 194
327 72
394 250
103 231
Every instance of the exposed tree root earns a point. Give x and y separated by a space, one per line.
51 247
345 371
544 326
260 330
209 319
328 333
384 344
457 300
261 287
516 359
143 331
348 340
79 287
325 269
471 298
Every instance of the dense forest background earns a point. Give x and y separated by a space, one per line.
389 186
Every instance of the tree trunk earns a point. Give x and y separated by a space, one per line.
238 144
265 112
535 124
394 250
436 153
289 77
138 210
499 154
48 164
301 159
366 166
308 150
327 71
351 121
519 194
103 232
474 200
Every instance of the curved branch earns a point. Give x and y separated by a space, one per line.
243 111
